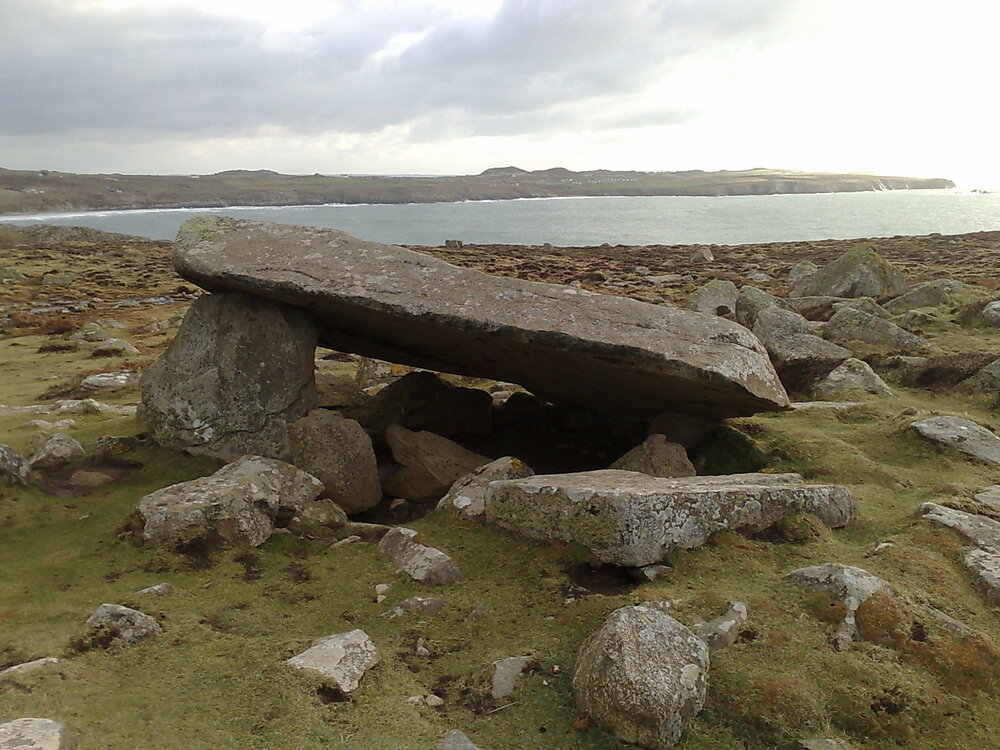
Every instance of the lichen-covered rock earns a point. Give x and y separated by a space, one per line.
642 676
864 304
860 272
416 605
928 294
604 352
717 297
657 457
35 734
240 368
130 625
751 300
851 377
55 450
429 464
799 275
107 381
723 631
467 496
850 324
799 357
14 468
631 519
341 659
339 453
814 308
419 561
114 348
849 585
962 435
991 313
90 332
237 503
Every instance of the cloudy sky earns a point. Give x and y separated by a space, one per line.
456 86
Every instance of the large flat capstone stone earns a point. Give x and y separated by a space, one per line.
608 353
628 518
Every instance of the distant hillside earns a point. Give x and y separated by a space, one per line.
46 191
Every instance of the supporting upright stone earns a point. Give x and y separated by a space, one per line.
239 370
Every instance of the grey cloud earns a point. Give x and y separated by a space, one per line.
538 65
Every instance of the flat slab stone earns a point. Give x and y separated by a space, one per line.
961 434
982 559
608 353
342 659
632 519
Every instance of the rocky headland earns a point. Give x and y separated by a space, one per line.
279 487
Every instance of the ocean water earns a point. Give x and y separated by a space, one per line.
652 220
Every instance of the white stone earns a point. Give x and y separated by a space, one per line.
342 659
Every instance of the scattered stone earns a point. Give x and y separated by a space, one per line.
160 326
342 659
991 313
131 625
381 591
420 562
107 381
799 356
35 734
648 573
723 631
751 301
798 277
320 512
879 548
347 540
758 277
90 332
370 532
625 356
655 456
852 376
506 673
56 450
41 424
416 605
434 701
58 278
477 612
831 405
860 272
238 370
339 453
849 324
717 297
849 585
631 519
929 294
962 435
160 589
114 348
27 668
238 502
421 648
456 740
421 401
702 255
86 478
14 468
429 464
642 676
467 496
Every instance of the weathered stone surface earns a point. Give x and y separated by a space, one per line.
991 313
702 255
114 348
90 332
35 734
429 464
814 308
14 468
642 676
108 381
717 297
799 356
342 659
239 369
632 519
339 453
990 496
864 304
851 377
723 631
334 391
987 380
158 589
322 512
238 502
962 435
421 401
655 456
799 275
420 562
751 301
131 625
416 605
860 272
608 353
467 496
851 586
505 675
457 740
56 450
84 478
927 294
851 324
28 667
982 558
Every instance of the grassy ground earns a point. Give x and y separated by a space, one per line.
215 678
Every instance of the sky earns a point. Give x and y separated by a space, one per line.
899 87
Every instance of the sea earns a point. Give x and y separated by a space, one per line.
653 220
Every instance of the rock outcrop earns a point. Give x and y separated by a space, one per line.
642 676
240 368
962 435
627 518
608 353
